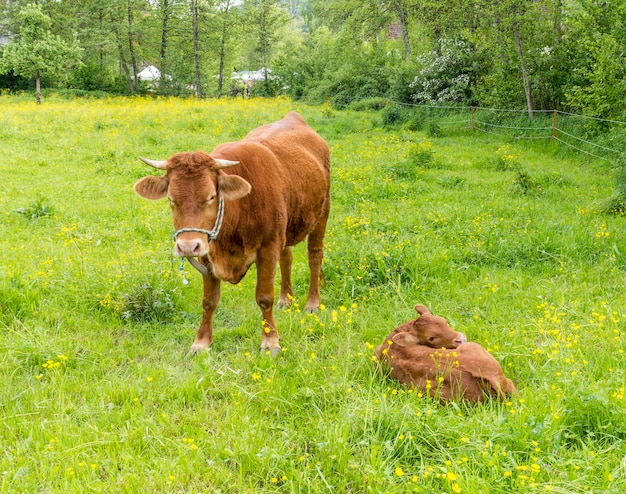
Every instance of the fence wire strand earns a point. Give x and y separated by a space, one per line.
579 149
555 131
587 142
510 127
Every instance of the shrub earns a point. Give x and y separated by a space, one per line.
37 209
394 115
146 303
617 204
524 184
369 104
434 130
420 155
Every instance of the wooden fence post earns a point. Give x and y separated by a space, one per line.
472 112
554 127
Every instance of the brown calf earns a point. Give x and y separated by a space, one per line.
433 358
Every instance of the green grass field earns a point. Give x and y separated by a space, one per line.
504 239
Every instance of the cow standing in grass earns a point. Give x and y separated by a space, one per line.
249 202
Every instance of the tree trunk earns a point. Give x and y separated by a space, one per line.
220 77
405 32
131 44
38 88
115 24
558 19
123 63
196 50
525 78
164 33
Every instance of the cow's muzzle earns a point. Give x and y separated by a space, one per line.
193 247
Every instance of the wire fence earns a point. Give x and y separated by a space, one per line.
596 137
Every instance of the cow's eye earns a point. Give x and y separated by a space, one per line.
211 199
432 338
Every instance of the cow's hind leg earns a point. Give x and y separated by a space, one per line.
286 289
210 300
315 250
264 294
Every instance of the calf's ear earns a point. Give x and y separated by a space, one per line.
421 310
233 186
152 187
405 339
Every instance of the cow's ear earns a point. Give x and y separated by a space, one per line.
152 187
405 339
233 186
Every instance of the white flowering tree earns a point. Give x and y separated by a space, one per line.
445 75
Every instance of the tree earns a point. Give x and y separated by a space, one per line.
195 27
596 45
227 19
37 52
266 19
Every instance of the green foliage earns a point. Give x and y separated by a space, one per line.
369 104
617 203
37 209
336 52
394 115
37 52
147 303
596 45
524 184
434 129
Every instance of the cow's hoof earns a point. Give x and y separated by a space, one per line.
272 352
284 304
198 346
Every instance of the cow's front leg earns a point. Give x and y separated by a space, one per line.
264 294
210 300
286 289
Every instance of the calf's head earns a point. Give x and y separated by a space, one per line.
429 330
193 184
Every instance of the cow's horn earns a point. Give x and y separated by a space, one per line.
225 163
161 165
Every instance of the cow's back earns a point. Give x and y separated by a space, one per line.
288 166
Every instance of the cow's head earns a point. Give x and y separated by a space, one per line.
429 330
193 183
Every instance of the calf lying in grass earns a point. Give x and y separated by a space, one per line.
429 355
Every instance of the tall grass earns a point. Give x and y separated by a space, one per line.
101 395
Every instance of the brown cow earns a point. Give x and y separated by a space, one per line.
249 202
427 354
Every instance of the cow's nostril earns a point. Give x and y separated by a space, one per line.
187 248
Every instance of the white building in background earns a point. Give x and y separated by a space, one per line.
149 74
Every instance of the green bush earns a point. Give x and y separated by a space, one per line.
146 303
37 209
394 115
369 104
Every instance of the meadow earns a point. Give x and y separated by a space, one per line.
504 239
